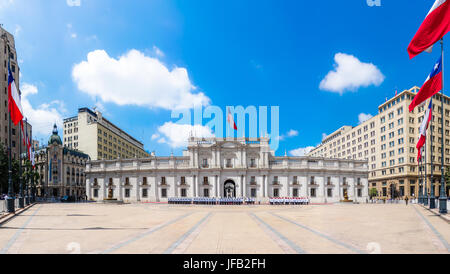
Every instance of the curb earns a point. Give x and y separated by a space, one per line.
444 217
10 216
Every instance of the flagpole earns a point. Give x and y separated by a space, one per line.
442 197
27 190
425 192
421 178
21 200
432 195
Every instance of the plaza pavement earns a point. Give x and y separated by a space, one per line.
172 229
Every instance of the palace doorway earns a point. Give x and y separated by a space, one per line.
229 189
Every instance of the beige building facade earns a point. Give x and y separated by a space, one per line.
4 113
96 136
388 142
61 170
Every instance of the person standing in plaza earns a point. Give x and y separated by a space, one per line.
406 200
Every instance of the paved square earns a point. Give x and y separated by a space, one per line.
162 228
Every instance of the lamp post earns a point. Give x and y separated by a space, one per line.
432 196
21 199
420 182
425 190
443 195
10 199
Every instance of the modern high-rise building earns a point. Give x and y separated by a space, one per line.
96 136
388 141
7 39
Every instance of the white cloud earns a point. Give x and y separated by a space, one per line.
155 136
136 79
73 3
73 35
364 117
158 52
17 30
350 74
44 116
301 151
6 3
177 135
291 133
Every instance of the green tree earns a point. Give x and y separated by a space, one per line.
3 169
373 192
447 179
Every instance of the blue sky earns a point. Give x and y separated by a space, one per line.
223 53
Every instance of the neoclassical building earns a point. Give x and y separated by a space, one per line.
61 170
235 167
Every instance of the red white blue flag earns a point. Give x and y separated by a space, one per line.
423 128
433 28
432 85
230 120
14 105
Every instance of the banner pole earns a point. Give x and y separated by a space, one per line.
442 197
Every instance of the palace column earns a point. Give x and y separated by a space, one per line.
216 185
244 186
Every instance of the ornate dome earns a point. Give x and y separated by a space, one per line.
55 137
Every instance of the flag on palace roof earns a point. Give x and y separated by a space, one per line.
14 105
423 128
230 120
432 85
433 28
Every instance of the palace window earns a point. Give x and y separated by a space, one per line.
144 193
163 193
206 192
295 192
253 192
313 192
330 192
183 192
276 192
127 193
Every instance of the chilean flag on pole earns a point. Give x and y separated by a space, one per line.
433 28
423 128
14 105
230 120
432 85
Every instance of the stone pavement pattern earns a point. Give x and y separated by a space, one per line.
161 228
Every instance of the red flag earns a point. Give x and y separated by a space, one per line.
432 85
423 128
433 28
230 120
14 106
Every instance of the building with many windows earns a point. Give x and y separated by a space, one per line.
4 113
388 142
61 170
96 136
227 168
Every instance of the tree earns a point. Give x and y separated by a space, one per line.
3 169
373 192
447 179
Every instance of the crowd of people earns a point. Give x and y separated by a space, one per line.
289 201
236 201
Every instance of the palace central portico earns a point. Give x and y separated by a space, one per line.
232 167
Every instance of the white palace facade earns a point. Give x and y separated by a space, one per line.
236 167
